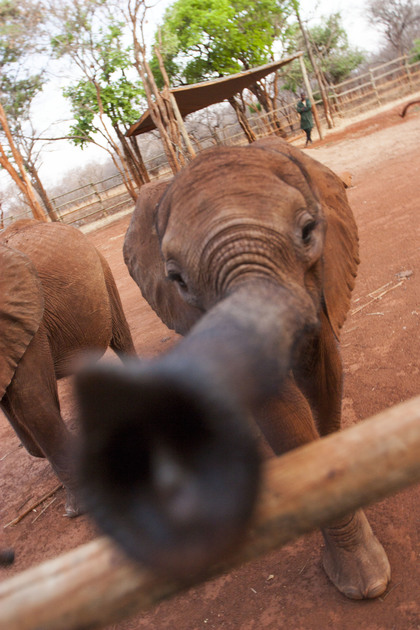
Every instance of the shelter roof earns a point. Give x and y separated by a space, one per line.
191 98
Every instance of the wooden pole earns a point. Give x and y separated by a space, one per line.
95 585
181 125
310 95
172 100
315 68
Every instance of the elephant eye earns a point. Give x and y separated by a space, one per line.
307 230
175 276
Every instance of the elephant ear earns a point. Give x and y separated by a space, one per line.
341 257
21 310
143 257
341 249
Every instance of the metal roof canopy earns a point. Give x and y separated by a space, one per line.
191 98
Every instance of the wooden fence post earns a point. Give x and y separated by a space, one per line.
407 70
372 80
310 95
336 100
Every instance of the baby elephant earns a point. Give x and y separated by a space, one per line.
57 298
251 253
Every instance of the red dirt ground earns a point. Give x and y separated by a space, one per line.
380 347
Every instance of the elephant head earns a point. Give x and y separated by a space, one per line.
244 253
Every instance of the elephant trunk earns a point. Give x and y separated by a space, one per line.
168 462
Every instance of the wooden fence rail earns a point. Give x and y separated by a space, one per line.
95 585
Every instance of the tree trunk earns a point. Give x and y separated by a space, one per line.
140 162
316 71
48 205
172 107
156 116
265 101
242 119
156 108
21 178
139 174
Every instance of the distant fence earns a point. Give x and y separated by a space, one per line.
380 85
367 91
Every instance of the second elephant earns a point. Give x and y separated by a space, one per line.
57 298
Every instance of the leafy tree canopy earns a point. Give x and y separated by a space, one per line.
335 57
202 39
105 88
18 19
16 96
415 51
21 33
331 45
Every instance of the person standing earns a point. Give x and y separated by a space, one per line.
304 109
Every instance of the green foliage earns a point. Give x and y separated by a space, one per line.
292 75
9 28
203 39
330 42
105 88
117 100
16 96
332 53
20 27
18 19
415 51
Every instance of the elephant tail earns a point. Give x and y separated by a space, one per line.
121 340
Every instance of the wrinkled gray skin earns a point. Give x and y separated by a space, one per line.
57 298
251 254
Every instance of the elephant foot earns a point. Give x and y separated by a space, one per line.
354 559
73 507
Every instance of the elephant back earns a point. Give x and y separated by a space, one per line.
77 312
21 310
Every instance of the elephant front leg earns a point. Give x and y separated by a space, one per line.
353 558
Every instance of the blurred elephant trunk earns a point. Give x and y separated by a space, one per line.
169 463
247 343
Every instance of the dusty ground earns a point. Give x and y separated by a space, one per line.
380 344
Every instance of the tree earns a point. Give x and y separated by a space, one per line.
330 42
329 55
206 39
17 96
415 51
17 171
399 19
105 99
19 23
212 38
161 106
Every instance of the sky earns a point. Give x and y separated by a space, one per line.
62 156
353 13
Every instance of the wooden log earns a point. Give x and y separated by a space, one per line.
95 585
